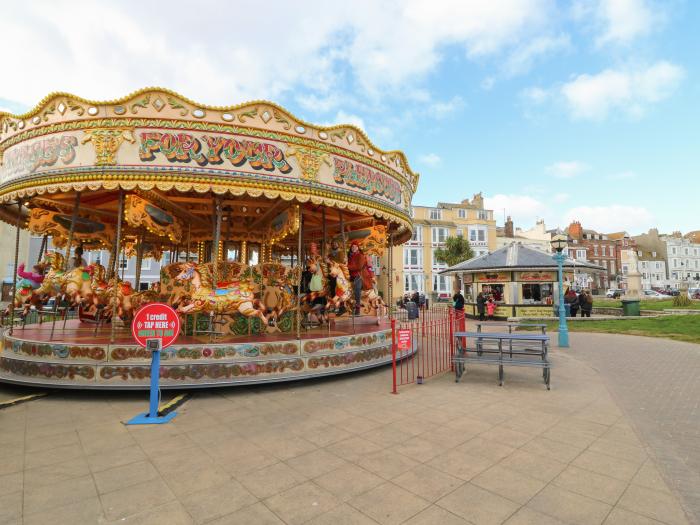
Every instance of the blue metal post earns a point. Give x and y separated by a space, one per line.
152 417
563 328
155 386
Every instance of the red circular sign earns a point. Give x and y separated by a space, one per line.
155 321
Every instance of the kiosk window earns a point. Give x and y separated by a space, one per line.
496 290
537 292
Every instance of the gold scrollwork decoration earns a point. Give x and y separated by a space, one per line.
106 142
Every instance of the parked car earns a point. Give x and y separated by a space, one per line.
614 293
693 293
653 294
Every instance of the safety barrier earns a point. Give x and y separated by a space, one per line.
424 347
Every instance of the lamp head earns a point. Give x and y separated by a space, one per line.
559 242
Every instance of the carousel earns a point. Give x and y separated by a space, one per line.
269 231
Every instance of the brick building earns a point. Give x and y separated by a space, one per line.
600 250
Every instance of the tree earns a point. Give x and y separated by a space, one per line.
456 250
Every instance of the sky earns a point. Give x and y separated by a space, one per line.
583 110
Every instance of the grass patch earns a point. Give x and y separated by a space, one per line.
677 327
646 304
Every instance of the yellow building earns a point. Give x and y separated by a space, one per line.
415 267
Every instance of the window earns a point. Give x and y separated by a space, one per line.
477 235
123 262
413 282
595 250
537 293
639 253
146 264
658 265
612 267
653 254
435 214
494 290
413 257
625 268
602 251
673 251
483 215
439 235
686 251
442 283
462 213
417 234
581 254
460 232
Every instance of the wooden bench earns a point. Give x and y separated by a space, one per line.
502 349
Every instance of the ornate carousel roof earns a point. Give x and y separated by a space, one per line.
155 143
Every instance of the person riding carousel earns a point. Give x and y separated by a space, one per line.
360 275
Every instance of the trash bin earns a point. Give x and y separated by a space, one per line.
630 307
412 310
567 309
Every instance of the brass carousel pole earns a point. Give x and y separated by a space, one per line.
42 248
342 237
187 255
14 273
139 259
325 239
214 257
117 242
299 260
73 220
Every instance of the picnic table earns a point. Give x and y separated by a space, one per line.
502 349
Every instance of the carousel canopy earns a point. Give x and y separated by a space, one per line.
516 257
176 158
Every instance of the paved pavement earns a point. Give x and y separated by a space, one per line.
337 451
657 383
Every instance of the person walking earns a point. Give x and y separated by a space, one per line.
481 305
586 301
573 301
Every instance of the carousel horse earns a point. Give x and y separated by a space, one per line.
277 290
128 299
233 296
343 292
314 301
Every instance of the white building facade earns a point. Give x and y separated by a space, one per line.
683 261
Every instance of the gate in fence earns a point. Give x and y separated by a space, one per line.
423 347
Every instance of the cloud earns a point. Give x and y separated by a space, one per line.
444 109
619 22
522 59
523 208
488 83
431 159
627 91
561 197
377 49
566 170
341 117
611 218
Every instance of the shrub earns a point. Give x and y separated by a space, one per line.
682 301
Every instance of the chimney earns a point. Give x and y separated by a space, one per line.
509 228
575 230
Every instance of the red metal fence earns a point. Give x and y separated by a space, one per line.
423 347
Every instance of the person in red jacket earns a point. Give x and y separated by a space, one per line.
357 263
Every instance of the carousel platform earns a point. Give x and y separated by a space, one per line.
78 356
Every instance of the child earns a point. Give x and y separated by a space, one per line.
490 308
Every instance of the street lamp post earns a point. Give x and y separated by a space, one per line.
559 242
